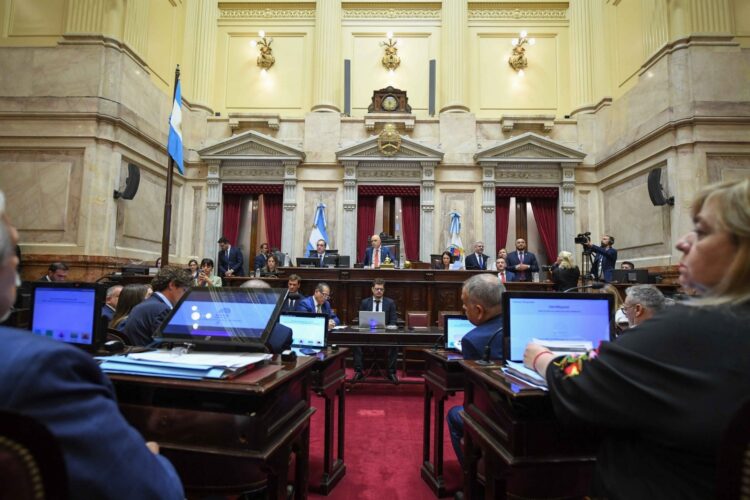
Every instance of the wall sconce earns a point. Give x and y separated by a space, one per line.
390 60
517 59
265 59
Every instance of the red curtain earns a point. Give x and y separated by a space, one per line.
365 222
502 221
410 231
231 222
545 213
272 207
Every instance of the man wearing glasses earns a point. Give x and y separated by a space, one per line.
318 303
378 303
641 303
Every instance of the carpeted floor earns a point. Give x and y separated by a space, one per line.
383 445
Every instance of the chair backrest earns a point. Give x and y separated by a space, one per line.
733 468
441 317
31 462
417 319
113 334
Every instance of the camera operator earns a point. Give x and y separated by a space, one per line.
606 257
565 272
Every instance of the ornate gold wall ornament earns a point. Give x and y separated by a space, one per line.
517 59
389 141
265 59
390 60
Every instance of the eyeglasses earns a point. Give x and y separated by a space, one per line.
625 307
324 294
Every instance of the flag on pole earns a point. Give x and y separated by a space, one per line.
455 246
174 145
318 228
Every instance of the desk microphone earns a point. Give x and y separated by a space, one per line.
486 360
437 342
596 286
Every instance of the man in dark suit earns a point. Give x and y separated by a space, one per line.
62 388
262 257
57 271
606 258
378 303
503 274
230 259
318 302
169 286
319 252
477 260
482 296
110 303
521 262
294 295
376 254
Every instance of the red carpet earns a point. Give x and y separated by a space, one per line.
383 444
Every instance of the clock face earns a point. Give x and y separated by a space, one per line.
389 103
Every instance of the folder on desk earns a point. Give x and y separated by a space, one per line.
191 366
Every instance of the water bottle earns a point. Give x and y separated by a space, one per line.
257 273
535 277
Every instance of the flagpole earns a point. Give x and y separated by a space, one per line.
168 197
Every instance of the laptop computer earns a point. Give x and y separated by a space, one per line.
630 275
69 312
455 327
238 319
308 331
563 322
371 320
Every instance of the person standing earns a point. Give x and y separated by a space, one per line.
378 302
565 273
606 258
522 262
262 257
230 259
477 260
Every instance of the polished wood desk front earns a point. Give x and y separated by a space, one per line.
419 337
443 377
526 452
229 436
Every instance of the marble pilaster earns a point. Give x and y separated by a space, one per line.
326 82
350 209
567 209
427 213
136 26
213 208
288 216
200 25
711 16
84 16
453 63
489 213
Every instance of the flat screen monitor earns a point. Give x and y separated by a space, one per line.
336 260
308 329
455 327
68 312
630 275
555 317
308 262
237 317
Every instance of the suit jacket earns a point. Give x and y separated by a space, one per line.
280 339
62 388
308 305
387 306
528 259
384 252
145 319
606 259
509 276
315 254
260 261
471 262
288 306
474 342
234 262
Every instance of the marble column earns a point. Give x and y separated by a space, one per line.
290 209
581 55
350 210
656 25
567 209
453 65
427 214
489 214
213 207
136 27
200 44
84 16
327 73
711 16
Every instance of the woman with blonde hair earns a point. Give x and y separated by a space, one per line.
565 273
663 397
130 296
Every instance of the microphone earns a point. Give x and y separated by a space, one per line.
596 286
437 342
486 360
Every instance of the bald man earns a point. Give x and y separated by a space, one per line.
376 254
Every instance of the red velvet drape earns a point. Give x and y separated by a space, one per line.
272 207
231 222
410 231
502 220
365 222
545 213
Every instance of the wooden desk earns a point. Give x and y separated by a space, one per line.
526 452
230 436
328 377
351 337
443 377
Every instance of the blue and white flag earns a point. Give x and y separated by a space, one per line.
318 229
455 246
174 145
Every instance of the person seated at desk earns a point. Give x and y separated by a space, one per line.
501 254
318 303
110 303
294 295
503 274
260 259
446 262
662 396
319 252
57 271
131 296
193 269
62 388
482 298
169 285
376 254
271 268
565 272
206 276
378 302
641 303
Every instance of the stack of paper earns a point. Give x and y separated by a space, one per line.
173 364
525 375
565 346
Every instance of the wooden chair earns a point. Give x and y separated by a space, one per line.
415 319
31 462
733 467
443 314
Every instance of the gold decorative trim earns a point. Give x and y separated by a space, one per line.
391 13
517 14
268 13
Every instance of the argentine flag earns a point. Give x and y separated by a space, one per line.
455 246
318 229
174 145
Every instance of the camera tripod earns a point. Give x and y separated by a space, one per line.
587 261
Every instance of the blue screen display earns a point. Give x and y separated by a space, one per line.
64 314
455 330
307 331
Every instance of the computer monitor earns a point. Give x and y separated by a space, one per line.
336 260
630 275
241 318
455 327
69 312
308 329
308 262
555 317
134 270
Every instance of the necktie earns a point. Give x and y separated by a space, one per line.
291 302
376 259
318 309
479 258
322 256
520 257
502 276
377 306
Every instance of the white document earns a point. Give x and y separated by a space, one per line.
565 346
218 359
